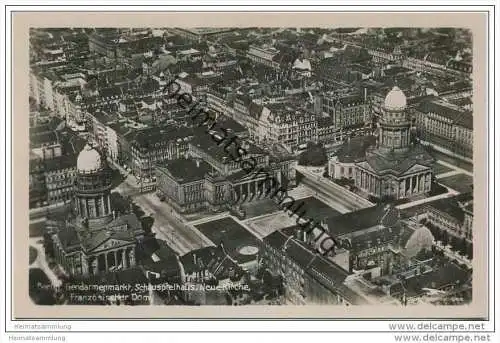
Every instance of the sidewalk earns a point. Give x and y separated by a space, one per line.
449 165
448 194
41 262
450 173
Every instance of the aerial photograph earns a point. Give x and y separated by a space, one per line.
250 166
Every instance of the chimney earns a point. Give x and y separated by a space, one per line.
197 163
194 259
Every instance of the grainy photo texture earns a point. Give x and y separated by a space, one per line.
250 166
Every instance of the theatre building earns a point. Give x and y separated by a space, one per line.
211 179
390 165
94 240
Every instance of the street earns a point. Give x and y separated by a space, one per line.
41 261
326 191
168 224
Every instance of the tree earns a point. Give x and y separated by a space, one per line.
48 245
162 63
469 250
445 237
462 246
454 242
315 155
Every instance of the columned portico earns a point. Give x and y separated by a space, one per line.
391 165
253 190
121 258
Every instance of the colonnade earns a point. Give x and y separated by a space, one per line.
404 187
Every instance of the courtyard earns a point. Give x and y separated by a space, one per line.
236 239
461 183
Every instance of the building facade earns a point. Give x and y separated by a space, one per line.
209 179
346 111
94 240
394 166
156 145
308 278
446 125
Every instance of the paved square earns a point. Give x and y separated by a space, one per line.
461 183
236 239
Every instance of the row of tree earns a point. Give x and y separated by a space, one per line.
461 244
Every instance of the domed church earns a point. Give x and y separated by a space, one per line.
94 239
391 164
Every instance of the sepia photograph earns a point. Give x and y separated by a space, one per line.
243 166
279 166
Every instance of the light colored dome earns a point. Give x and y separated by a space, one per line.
302 64
89 160
421 238
395 99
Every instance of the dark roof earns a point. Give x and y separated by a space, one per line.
396 70
255 110
458 116
147 138
130 219
60 163
362 219
68 237
325 272
90 241
450 274
448 206
354 149
397 234
229 124
208 145
462 101
205 256
72 144
324 122
49 137
399 162
186 170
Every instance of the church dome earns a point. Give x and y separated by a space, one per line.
89 160
395 99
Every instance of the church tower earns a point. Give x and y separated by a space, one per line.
93 187
395 125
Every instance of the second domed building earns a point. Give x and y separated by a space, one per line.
390 165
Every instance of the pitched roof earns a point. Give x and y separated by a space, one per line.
362 219
448 206
450 111
399 162
69 237
324 271
208 145
186 170
354 149
147 138
60 163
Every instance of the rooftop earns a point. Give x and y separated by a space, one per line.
186 170
319 268
209 146
456 114
60 163
362 219
147 138
354 149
